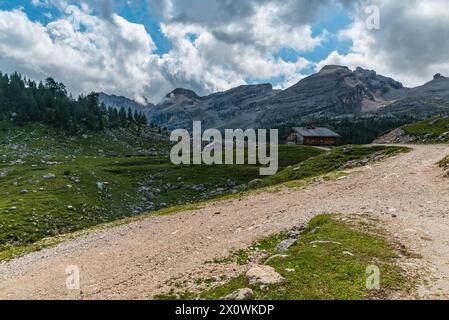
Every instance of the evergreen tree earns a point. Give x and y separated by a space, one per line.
23 101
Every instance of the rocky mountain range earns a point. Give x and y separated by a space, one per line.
333 92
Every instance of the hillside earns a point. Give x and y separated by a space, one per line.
435 130
55 183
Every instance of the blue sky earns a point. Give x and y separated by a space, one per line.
214 45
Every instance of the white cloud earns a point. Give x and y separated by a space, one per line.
85 52
108 53
411 44
235 41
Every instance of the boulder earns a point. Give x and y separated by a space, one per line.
240 295
49 176
286 244
253 183
263 275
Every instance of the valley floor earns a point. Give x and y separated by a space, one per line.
407 193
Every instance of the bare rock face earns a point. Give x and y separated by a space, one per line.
395 136
234 108
332 93
240 295
263 275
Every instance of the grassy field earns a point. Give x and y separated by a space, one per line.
52 184
430 131
332 161
334 269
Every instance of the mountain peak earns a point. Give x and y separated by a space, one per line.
439 76
183 92
333 68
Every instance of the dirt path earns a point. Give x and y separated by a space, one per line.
134 261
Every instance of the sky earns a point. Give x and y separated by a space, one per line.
143 49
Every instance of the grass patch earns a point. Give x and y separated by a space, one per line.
444 163
429 131
330 161
323 271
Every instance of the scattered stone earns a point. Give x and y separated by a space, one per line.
254 183
347 150
199 187
296 232
15 162
347 253
240 295
230 183
444 136
100 185
286 244
5 172
49 176
263 275
290 270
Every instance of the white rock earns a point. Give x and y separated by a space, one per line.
241 295
286 244
49 176
263 275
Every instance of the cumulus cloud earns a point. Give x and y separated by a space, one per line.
233 41
411 44
86 52
217 44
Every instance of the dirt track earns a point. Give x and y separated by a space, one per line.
407 192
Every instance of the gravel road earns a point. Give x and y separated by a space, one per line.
407 193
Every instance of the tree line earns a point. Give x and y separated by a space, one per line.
24 101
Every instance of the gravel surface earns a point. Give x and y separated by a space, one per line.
407 193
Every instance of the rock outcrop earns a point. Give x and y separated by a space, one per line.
333 92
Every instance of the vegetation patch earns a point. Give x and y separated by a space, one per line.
329 261
55 184
444 163
435 130
337 159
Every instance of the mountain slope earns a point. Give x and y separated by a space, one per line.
236 107
335 92
118 102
